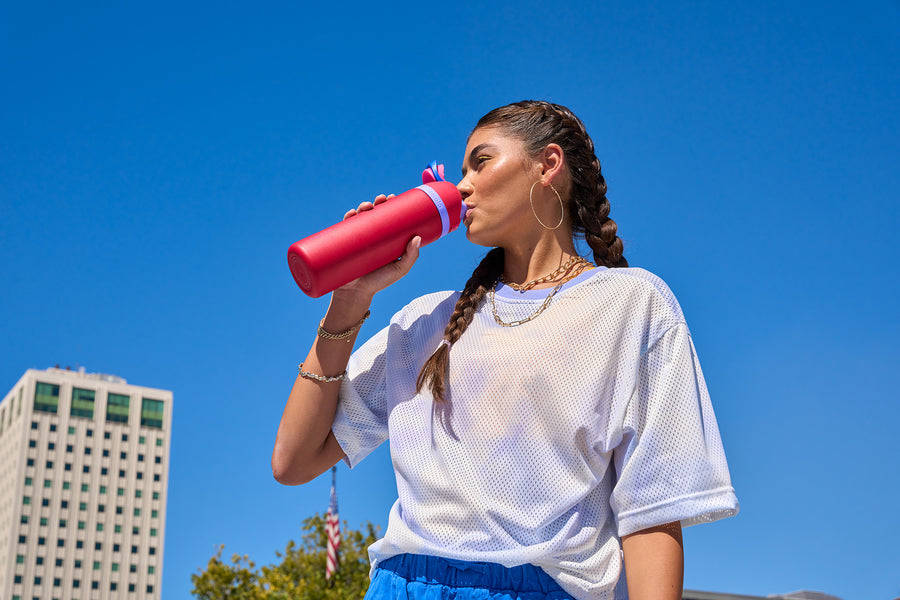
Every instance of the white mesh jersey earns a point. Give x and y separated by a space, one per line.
561 435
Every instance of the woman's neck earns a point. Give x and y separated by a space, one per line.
528 262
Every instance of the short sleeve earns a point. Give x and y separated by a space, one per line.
360 423
670 465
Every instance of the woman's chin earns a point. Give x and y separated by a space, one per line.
477 237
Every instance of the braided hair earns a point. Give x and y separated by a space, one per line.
536 124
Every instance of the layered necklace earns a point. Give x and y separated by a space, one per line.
570 270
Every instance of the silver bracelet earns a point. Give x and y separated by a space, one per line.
323 379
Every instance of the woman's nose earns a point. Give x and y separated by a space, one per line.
465 188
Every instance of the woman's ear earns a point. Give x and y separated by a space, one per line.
552 160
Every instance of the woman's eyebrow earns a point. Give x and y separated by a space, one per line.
475 152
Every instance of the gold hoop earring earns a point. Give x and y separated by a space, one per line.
562 208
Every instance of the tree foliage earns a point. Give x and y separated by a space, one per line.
299 576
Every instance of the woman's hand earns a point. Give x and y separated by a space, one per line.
365 287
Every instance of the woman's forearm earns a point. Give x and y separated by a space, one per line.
654 563
304 445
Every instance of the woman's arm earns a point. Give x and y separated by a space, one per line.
304 444
654 563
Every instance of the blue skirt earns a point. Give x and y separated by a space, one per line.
418 577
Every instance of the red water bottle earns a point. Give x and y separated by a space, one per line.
371 239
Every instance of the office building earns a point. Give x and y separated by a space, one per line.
84 461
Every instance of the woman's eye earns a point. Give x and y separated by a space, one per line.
481 159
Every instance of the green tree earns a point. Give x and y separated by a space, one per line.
300 574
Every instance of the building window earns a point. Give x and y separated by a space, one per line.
149 589
23 519
34 425
154 513
89 433
130 587
49 464
84 487
48 483
76 583
86 469
99 526
81 525
132 569
45 502
60 543
159 442
98 546
105 453
152 532
120 491
29 462
102 489
67 485
82 403
137 493
117 408
118 529
116 547
51 446
152 550
124 437
123 455
140 458
134 550
105 435
135 531
158 460
150 570
115 567
46 397
96 565
87 450
71 430
112 586
52 427
95 585
20 559
104 471
64 504
43 520
32 443
156 477
26 499
79 545
23 539
151 413
121 472
156 495
28 481
118 510
137 512
62 522
57 582
68 467
59 562
69 447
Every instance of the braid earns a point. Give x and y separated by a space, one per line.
434 371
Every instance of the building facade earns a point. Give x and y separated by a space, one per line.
84 461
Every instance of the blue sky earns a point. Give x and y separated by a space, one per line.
156 162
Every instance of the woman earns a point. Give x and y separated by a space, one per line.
549 422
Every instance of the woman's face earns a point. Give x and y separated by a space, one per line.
497 176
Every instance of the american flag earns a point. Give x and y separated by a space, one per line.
333 529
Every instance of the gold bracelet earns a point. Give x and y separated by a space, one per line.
308 375
344 335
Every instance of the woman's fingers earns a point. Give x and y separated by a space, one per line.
367 205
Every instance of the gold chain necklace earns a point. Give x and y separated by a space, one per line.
543 305
575 263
